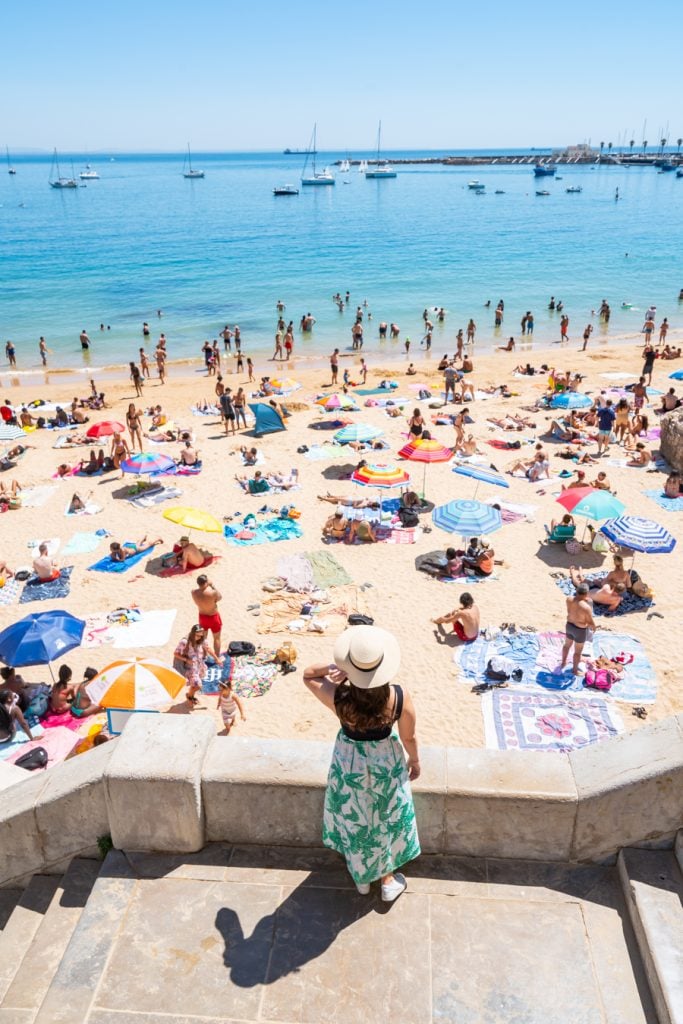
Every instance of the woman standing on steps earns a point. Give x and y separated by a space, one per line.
369 815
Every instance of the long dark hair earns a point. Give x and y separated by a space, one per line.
362 709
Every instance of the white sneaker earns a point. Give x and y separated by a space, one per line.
363 888
392 890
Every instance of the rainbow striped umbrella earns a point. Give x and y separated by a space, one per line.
333 402
357 432
148 462
426 450
382 475
141 683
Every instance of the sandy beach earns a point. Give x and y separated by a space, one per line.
399 598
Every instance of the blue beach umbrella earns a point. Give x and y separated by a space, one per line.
468 518
357 432
676 375
40 638
482 474
571 400
639 535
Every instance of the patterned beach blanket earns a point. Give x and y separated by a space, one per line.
538 655
547 722
267 532
34 590
629 603
250 676
10 592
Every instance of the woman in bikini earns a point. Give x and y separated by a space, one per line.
119 450
459 427
134 425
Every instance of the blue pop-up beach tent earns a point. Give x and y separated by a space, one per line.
267 419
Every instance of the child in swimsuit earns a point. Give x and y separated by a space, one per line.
229 704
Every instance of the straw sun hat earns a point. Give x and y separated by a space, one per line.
367 655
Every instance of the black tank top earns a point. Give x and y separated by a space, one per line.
382 732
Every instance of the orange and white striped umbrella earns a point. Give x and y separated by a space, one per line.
141 683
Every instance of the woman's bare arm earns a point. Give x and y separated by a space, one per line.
322 680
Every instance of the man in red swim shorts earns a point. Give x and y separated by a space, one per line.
206 597
465 619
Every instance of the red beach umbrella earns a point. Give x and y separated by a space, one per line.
105 428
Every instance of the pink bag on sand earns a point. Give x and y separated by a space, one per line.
600 679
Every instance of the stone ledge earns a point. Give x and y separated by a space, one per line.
629 789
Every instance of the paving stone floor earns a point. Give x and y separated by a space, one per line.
245 935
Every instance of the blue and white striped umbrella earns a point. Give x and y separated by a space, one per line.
10 432
571 400
483 474
639 535
468 518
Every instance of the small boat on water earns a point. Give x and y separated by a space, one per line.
59 181
362 167
381 168
475 184
345 166
10 169
324 177
545 170
542 192
574 188
88 174
679 172
190 172
668 165
285 190
499 192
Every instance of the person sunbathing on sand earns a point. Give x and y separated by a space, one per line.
189 556
11 492
258 484
608 594
45 567
5 572
468 446
362 530
350 502
120 552
189 456
465 619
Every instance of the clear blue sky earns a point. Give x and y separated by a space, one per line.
255 74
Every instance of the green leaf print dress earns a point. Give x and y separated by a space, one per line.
369 814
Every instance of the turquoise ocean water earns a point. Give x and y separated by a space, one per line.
224 250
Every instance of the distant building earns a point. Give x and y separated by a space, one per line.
582 151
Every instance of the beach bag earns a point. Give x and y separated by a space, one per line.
599 679
572 547
408 517
241 648
358 619
423 393
39 700
36 758
499 669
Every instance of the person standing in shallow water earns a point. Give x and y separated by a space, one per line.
369 817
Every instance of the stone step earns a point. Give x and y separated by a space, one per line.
653 885
42 958
23 923
72 988
8 901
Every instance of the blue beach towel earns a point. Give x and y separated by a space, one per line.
83 543
668 504
107 564
272 530
34 590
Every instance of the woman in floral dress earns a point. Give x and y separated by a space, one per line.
191 655
369 815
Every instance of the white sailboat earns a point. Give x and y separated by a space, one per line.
324 177
88 174
10 169
362 167
380 168
345 166
191 173
59 181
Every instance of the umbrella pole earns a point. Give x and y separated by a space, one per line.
424 482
